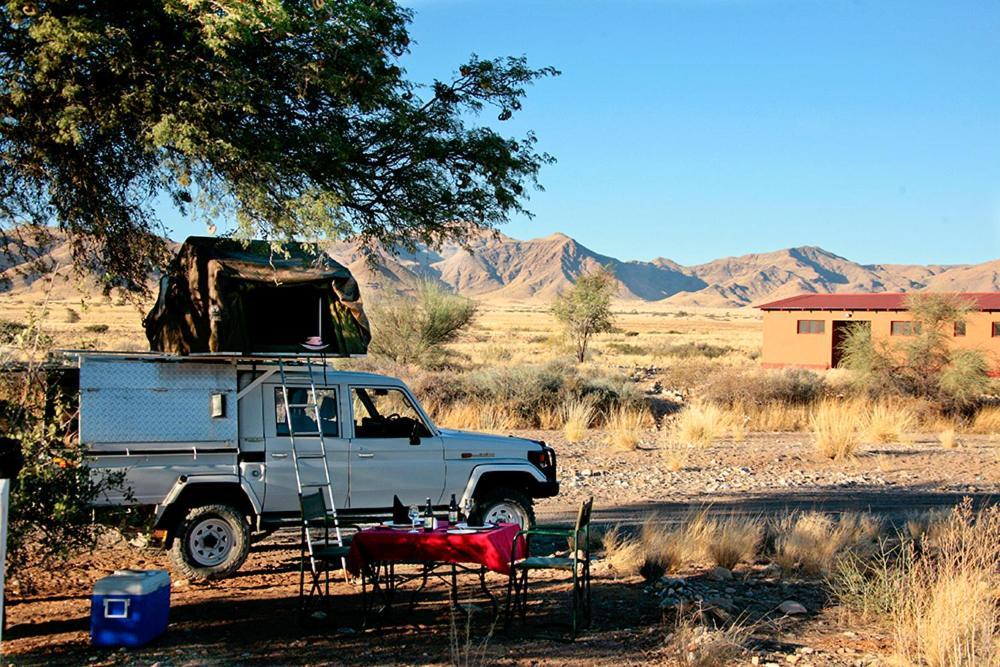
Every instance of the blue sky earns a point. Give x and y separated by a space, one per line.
694 129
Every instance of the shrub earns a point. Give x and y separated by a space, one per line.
414 330
700 424
625 426
947 438
733 540
793 386
836 429
578 416
925 365
889 421
813 543
96 328
692 349
986 420
10 331
72 316
622 553
939 593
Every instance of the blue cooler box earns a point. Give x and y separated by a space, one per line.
129 608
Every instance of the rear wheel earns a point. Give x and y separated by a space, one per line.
210 542
505 505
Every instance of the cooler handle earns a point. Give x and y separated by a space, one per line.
120 612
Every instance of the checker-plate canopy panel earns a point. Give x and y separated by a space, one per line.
140 401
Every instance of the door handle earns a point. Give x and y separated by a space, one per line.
279 455
366 455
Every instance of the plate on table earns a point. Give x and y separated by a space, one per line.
462 531
398 526
473 529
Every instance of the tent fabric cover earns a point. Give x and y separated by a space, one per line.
224 295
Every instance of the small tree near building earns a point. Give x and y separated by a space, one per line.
925 364
585 308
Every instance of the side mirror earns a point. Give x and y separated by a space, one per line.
415 435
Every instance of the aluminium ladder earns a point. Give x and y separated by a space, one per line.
302 482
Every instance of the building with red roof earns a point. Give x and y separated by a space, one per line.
807 330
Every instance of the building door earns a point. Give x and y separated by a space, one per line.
841 328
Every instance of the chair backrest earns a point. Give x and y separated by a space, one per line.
313 506
583 518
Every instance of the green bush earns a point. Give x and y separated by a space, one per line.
414 330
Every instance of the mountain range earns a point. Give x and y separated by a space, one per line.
497 267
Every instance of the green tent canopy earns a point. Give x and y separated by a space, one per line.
246 297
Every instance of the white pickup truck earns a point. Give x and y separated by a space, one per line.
205 446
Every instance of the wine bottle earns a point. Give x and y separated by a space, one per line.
428 517
452 511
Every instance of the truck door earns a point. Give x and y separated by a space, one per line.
393 451
282 492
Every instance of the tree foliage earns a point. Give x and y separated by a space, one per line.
295 118
924 364
414 329
585 308
51 502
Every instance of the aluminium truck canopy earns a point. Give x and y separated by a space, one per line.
229 296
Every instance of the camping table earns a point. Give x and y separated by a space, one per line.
376 551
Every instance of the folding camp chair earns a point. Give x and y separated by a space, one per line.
577 562
317 550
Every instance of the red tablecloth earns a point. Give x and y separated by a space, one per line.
490 548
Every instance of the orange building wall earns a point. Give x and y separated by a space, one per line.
783 346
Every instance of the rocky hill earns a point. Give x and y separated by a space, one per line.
499 267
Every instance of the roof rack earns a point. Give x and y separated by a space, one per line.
209 356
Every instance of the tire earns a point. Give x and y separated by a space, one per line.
210 542
505 505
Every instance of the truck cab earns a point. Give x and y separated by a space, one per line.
206 449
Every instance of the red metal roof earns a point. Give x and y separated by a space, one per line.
883 301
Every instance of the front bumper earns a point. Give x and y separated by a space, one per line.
546 489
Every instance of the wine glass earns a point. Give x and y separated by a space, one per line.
414 515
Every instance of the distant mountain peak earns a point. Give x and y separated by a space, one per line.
495 266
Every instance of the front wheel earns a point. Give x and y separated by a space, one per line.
505 505
211 542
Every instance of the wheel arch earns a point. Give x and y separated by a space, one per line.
196 491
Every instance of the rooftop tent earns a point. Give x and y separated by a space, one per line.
224 295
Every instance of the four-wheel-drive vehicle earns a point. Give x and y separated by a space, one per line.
204 442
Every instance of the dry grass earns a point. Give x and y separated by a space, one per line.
675 454
770 417
733 540
624 428
837 429
700 424
693 644
889 421
941 599
665 546
577 418
551 418
948 439
812 543
623 553
986 421
477 416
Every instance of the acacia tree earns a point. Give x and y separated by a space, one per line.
585 308
924 364
294 118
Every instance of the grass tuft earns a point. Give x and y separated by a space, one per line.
836 428
624 426
700 424
578 416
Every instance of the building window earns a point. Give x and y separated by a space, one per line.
996 329
811 326
959 328
905 328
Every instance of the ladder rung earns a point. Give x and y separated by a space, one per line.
315 485
303 405
306 434
300 457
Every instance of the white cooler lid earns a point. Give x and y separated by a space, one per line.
132 582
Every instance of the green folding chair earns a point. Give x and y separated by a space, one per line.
319 554
577 563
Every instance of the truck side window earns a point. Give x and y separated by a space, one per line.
386 413
303 419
